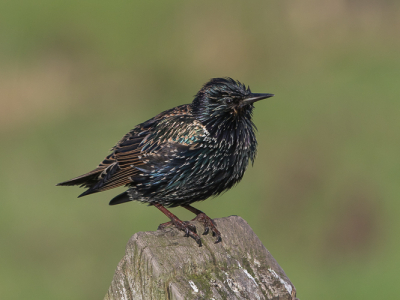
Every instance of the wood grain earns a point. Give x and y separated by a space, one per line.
166 265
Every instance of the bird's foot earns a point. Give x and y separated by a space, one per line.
208 224
168 224
189 229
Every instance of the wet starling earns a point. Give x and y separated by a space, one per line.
183 155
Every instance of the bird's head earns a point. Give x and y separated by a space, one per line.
221 97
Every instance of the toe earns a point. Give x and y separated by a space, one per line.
191 227
164 225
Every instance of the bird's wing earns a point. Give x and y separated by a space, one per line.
151 150
148 146
114 170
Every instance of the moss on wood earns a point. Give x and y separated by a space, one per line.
166 265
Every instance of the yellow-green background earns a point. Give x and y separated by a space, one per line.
323 195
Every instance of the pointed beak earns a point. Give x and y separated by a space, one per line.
256 97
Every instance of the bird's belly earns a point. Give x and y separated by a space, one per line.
206 175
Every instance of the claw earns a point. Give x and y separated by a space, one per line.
199 242
219 239
206 230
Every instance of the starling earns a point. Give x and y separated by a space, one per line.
185 154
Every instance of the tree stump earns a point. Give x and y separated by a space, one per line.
163 264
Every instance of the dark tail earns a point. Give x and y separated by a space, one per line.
85 180
121 198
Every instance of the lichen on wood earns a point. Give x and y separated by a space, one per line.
164 264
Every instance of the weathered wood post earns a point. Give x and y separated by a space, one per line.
165 265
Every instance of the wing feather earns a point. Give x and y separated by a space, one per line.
149 147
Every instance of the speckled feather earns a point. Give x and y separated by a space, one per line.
185 154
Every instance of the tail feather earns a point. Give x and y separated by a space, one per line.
94 180
121 198
88 192
85 180
98 186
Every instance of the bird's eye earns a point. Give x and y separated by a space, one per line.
229 101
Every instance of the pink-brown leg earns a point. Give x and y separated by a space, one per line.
189 229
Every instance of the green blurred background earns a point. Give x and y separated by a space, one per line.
323 195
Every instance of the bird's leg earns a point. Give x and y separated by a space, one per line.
207 221
189 229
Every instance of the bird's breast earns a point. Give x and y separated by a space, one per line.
229 153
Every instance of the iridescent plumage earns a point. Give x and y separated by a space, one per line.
185 154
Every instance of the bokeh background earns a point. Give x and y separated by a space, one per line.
323 195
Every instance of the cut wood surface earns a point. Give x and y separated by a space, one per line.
164 264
